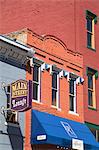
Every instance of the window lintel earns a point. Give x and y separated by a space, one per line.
92 71
89 14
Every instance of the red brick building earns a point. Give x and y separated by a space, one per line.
76 24
51 51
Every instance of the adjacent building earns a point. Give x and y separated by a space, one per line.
13 60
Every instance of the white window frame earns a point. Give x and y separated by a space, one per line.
91 17
93 90
39 85
74 99
57 93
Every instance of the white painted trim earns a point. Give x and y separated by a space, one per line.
45 66
35 101
51 71
57 93
61 74
39 84
73 113
17 116
57 103
74 98
75 101
31 62
55 107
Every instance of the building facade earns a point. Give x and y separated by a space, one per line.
57 86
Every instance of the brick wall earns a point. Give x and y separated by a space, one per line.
53 51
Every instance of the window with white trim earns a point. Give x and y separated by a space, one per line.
91 21
36 82
92 77
11 116
72 95
55 89
90 89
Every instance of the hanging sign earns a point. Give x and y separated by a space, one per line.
21 95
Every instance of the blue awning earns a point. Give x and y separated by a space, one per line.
50 129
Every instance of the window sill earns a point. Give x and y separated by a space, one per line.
55 107
35 101
73 113
92 108
93 49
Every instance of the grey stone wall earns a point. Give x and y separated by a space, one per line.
11 136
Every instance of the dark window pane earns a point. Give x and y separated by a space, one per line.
11 117
93 132
71 103
8 89
98 136
89 24
90 81
71 87
54 80
35 91
8 96
90 99
35 73
8 100
54 97
89 39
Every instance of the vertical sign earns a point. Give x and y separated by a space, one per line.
21 95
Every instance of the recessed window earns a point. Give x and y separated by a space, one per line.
90 33
92 76
94 129
91 20
95 133
36 83
55 89
72 95
90 89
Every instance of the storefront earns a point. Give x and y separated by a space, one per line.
57 132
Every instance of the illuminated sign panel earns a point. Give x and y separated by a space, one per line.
21 95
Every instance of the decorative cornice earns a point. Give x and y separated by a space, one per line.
13 51
48 44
